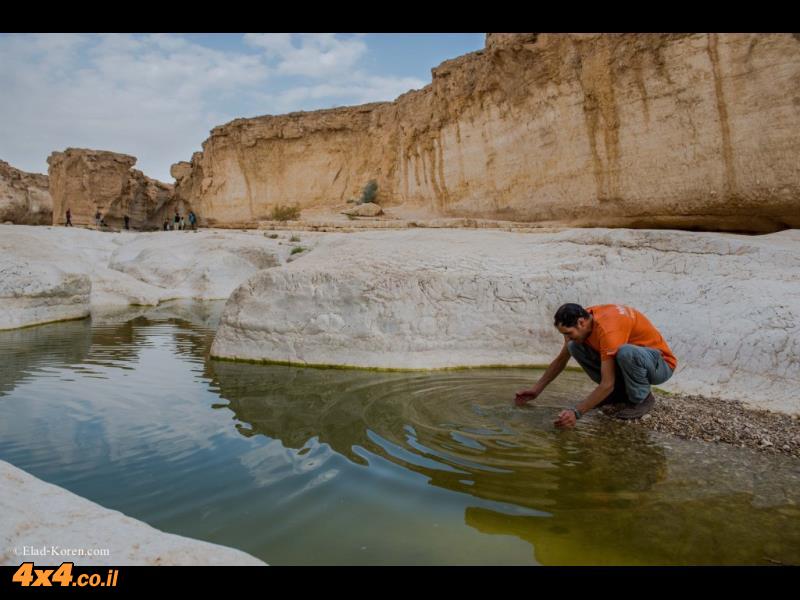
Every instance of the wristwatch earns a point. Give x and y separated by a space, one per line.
578 414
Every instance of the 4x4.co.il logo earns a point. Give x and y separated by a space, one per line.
27 576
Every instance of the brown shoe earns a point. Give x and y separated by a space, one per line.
614 403
615 399
637 411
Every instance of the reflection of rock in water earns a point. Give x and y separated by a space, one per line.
114 336
603 493
23 351
202 314
606 493
427 422
295 404
123 330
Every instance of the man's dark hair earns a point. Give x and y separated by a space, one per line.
567 315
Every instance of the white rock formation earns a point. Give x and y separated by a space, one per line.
368 209
728 305
55 273
207 265
40 515
33 292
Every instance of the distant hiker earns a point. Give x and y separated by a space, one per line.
127 221
619 349
183 224
97 217
69 219
177 219
166 223
192 220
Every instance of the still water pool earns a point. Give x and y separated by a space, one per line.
331 466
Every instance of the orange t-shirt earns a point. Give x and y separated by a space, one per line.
616 324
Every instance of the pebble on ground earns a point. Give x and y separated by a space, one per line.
720 421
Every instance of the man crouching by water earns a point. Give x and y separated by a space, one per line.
619 349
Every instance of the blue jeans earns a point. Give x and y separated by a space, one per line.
636 367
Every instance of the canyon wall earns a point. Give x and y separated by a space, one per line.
24 197
686 131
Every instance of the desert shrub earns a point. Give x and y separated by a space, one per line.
369 193
285 213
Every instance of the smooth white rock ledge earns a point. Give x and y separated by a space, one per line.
32 293
45 271
728 305
40 517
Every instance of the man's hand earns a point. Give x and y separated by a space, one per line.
566 419
525 396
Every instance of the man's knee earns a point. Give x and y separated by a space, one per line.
572 348
626 353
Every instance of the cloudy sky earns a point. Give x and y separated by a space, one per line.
156 96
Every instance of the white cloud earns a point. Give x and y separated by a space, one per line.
152 96
274 44
333 64
318 55
359 88
157 96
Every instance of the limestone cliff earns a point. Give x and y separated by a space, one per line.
89 180
24 197
690 131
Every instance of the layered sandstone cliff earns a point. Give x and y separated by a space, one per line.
86 181
24 197
694 131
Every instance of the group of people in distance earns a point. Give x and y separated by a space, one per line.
178 222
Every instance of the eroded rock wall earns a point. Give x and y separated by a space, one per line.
687 131
24 197
89 180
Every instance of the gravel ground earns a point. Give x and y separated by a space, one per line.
720 421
